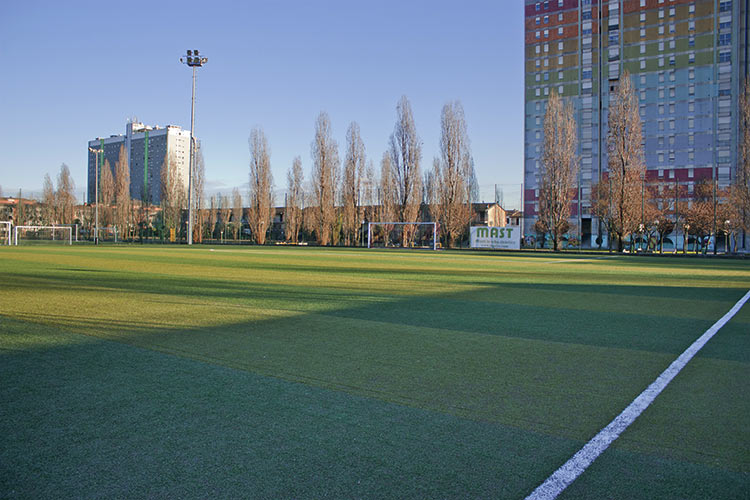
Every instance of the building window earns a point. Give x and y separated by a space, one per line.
691 123
691 107
643 48
691 8
536 49
559 46
643 32
691 25
546 33
691 57
560 90
691 41
643 64
537 34
546 19
725 6
559 59
725 39
538 20
725 56
560 30
643 17
691 89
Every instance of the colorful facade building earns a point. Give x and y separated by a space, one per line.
688 60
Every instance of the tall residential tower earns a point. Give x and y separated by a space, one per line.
146 149
688 60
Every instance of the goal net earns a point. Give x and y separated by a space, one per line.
402 235
5 232
108 233
25 235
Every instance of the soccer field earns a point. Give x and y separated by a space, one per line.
268 372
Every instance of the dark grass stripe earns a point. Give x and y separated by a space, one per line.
87 418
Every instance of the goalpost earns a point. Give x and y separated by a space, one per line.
386 234
43 234
5 237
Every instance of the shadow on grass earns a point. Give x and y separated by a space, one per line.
412 396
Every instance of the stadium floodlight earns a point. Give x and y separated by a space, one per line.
96 205
193 60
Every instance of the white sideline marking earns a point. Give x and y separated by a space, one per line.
574 467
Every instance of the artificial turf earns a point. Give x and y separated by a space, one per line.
302 372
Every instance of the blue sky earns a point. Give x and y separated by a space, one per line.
73 71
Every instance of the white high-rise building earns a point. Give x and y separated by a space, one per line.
146 149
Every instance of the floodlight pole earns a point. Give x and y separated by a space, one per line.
96 206
194 60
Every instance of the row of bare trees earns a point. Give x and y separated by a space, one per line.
58 204
629 206
336 201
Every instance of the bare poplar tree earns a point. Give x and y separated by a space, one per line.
172 193
48 201
212 217
225 213
295 200
406 156
122 194
369 190
325 176
453 174
66 196
261 187
236 212
387 197
107 193
626 165
199 193
739 194
559 168
351 188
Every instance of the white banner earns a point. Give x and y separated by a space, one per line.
506 238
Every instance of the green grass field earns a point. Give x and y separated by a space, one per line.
267 372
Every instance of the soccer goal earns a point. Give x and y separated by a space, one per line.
42 235
5 230
108 233
402 235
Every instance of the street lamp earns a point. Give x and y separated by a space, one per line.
96 206
194 60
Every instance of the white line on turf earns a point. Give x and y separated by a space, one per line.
562 477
